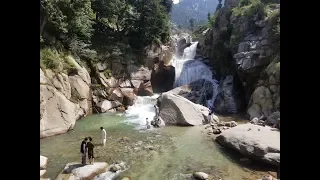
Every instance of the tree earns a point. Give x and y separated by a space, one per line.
191 21
209 16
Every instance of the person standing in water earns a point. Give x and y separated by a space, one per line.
104 136
148 124
90 147
83 150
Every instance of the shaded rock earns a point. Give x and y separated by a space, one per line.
262 144
200 176
272 119
116 95
145 89
73 171
245 160
177 110
43 162
228 99
162 77
115 168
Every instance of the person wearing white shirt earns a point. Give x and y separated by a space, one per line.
104 136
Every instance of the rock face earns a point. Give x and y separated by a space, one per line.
228 99
63 99
162 77
176 110
245 44
265 100
181 41
257 142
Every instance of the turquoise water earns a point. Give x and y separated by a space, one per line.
174 150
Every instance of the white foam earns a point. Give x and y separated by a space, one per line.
143 108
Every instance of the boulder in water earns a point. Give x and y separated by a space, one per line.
260 143
200 176
42 172
178 110
73 171
43 162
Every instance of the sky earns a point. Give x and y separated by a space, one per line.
175 1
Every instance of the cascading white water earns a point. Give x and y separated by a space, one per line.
188 70
143 108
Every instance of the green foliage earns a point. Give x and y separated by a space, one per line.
213 21
209 16
249 7
199 30
274 31
57 61
87 28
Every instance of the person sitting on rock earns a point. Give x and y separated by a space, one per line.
90 147
148 124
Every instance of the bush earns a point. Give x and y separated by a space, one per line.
56 61
249 8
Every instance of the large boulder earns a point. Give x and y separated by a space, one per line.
178 110
257 142
76 171
63 99
57 113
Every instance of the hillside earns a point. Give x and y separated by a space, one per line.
196 9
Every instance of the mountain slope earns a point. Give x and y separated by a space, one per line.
196 9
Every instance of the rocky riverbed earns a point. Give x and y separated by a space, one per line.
167 153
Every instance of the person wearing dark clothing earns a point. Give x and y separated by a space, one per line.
83 150
90 147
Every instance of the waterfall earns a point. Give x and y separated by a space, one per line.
189 69
143 108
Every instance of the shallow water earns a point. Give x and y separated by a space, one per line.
175 150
